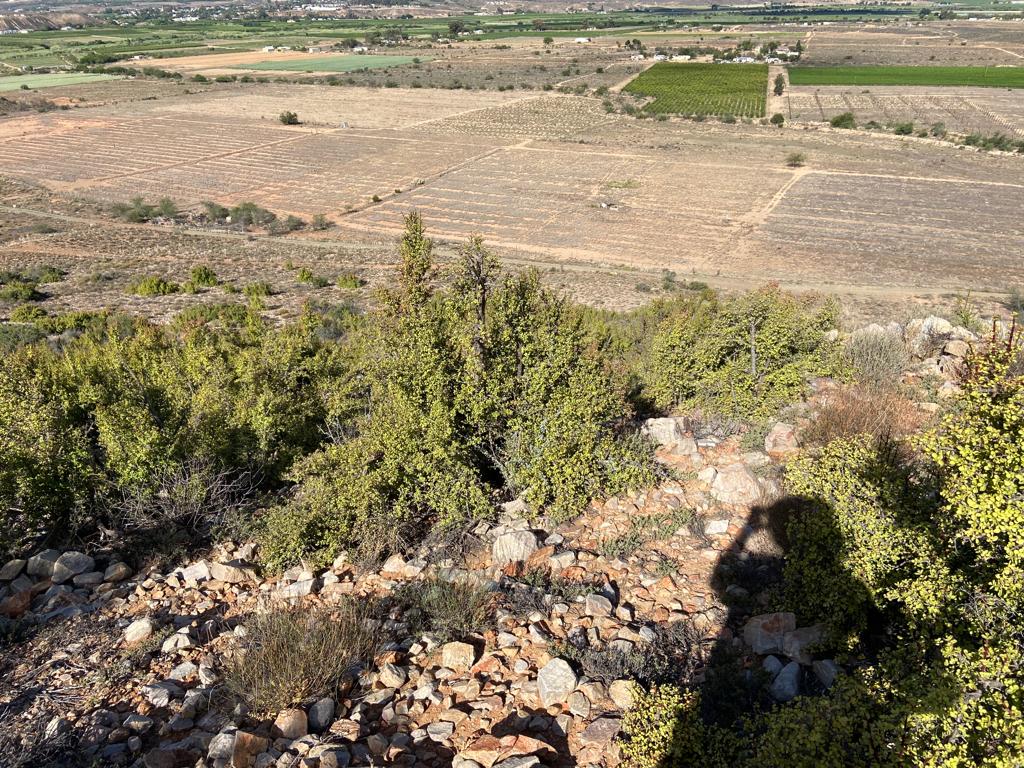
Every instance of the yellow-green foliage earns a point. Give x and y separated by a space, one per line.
746 356
490 384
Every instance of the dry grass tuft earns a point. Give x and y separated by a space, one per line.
292 654
882 413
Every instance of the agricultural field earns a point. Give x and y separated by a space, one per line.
985 77
950 43
23 82
709 89
337 63
984 111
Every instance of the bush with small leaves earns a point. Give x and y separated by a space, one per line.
288 118
154 286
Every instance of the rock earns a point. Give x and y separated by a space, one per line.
772 665
247 746
781 441
826 671
41 565
716 527
198 571
160 694
957 348
621 692
321 715
69 565
179 641
670 433
765 633
11 569
520 761
222 746
392 676
597 606
139 630
295 590
90 579
602 731
513 547
16 605
555 682
735 484
233 572
786 685
924 336
797 643
116 572
440 731
290 724
458 656
184 671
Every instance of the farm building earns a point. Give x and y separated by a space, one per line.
583 40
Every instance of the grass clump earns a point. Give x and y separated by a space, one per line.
350 282
877 357
448 610
259 289
291 654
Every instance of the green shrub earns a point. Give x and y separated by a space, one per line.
288 118
350 282
259 289
250 215
203 276
796 159
19 290
746 357
777 119
844 120
154 286
490 386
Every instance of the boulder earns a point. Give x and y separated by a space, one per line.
513 547
458 656
139 630
321 715
69 565
797 644
233 572
621 692
766 633
786 685
11 569
781 440
735 484
826 671
116 572
669 433
597 606
602 731
290 724
555 682
41 565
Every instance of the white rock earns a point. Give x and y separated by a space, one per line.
513 546
735 484
555 682
139 630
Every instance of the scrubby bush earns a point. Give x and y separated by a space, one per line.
288 118
877 357
448 610
796 159
490 387
844 120
882 413
349 281
257 290
746 356
203 276
289 655
154 286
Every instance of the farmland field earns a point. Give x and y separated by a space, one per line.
340 63
990 77
710 89
44 81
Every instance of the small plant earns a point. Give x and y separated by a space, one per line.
448 610
259 289
215 212
796 159
777 119
166 208
306 276
135 212
288 118
154 286
203 276
350 282
375 199
844 120
320 223
965 314
878 357
903 129
289 655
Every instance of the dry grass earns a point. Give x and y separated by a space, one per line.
882 413
448 610
290 655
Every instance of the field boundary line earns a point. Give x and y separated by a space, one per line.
895 177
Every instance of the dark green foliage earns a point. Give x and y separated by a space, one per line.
844 120
288 118
154 286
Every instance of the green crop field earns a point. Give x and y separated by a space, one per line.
709 89
46 81
340 63
992 77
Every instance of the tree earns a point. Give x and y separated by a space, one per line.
780 85
456 27
288 118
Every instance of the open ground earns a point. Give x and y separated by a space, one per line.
603 202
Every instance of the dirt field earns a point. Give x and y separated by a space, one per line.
602 203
